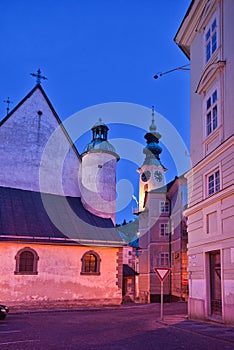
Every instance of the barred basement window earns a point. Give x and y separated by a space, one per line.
26 262
90 263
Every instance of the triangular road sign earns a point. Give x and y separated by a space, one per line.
162 272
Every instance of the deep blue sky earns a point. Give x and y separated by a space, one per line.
96 52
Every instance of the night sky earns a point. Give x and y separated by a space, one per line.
100 57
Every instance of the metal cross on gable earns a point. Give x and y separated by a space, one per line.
7 101
38 76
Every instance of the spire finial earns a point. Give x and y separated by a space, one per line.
38 76
7 101
152 126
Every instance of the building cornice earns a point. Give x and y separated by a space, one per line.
209 243
194 20
62 241
224 146
217 197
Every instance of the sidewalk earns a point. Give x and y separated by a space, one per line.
178 308
208 329
211 329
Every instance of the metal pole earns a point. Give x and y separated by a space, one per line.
161 300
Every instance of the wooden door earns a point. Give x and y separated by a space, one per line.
215 284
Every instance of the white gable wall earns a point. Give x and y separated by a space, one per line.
27 160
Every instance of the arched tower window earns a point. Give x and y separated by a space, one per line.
90 263
26 262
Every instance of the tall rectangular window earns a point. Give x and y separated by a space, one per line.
164 207
213 182
211 39
212 113
164 229
164 259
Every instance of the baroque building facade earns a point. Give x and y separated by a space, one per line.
205 36
162 226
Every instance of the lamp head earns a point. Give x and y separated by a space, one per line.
157 75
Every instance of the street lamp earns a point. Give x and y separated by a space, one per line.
184 67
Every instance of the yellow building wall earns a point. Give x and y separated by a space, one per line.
59 280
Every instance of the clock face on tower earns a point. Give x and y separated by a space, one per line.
158 176
145 176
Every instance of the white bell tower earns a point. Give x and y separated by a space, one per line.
98 174
152 171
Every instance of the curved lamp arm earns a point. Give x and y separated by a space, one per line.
184 67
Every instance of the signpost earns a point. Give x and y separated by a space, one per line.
162 273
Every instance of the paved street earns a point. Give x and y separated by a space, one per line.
127 327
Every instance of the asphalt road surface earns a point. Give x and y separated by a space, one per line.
130 328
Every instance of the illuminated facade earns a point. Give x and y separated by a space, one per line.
205 36
57 247
162 227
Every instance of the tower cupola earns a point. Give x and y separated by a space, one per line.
152 149
99 140
100 131
152 171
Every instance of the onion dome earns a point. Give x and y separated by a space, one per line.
152 149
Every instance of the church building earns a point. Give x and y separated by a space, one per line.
58 242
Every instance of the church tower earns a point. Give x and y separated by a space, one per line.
98 174
153 241
152 170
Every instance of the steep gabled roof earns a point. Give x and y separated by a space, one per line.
39 87
27 216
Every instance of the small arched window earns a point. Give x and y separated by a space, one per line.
26 262
90 263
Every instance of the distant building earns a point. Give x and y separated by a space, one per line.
130 274
58 242
206 37
129 232
162 226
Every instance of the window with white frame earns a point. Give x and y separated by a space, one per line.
213 182
164 259
164 229
212 112
211 39
164 207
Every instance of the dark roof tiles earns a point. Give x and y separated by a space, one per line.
52 217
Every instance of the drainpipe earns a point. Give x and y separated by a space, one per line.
170 274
